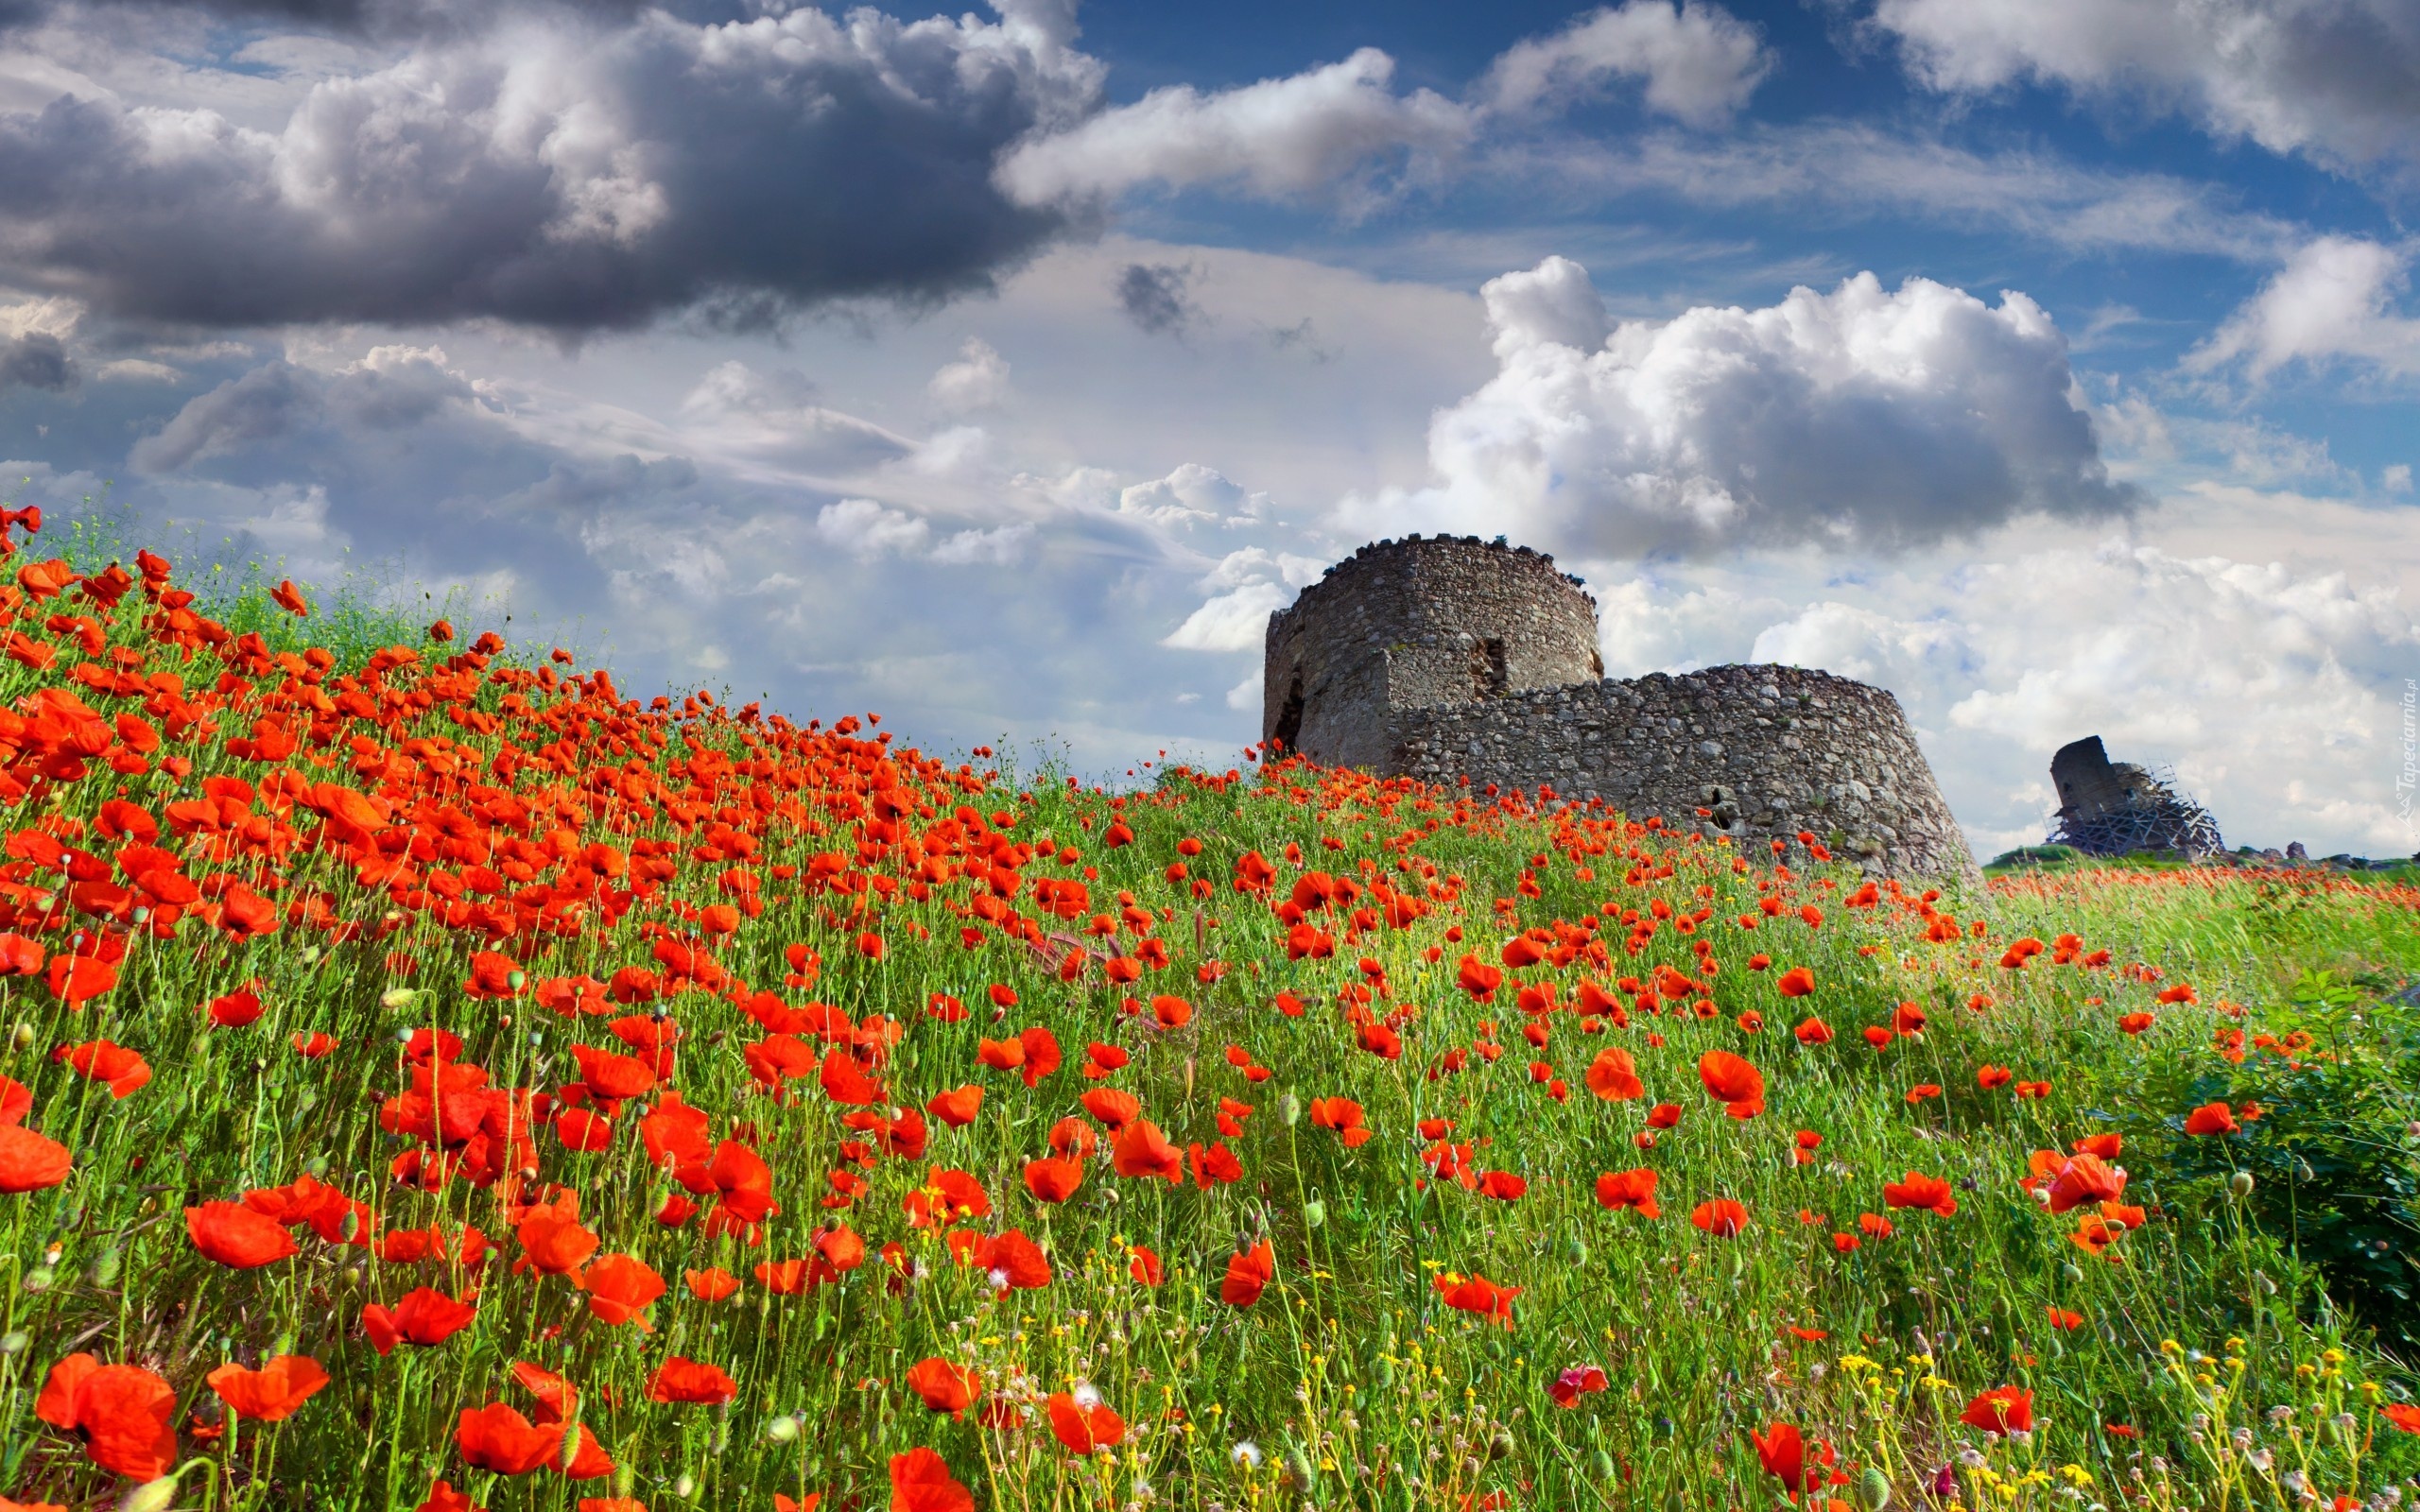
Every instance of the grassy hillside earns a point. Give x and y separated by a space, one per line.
437 1081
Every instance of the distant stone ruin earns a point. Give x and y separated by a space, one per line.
2119 809
1452 658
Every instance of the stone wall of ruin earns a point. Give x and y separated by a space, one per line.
1419 623
1771 750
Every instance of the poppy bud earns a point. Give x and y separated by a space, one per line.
782 1430
40 1282
397 997
1872 1490
684 1487
2240 1183
15 1341
151 1496
1604 1468
2073 1274
1298 1470
1501 1447
24 1036
1290 1107
1314 1213
105 1266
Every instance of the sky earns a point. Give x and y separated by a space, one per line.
2050 362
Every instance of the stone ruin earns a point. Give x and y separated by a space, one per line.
1451 657
2119 809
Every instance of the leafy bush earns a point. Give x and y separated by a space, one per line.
2335 1182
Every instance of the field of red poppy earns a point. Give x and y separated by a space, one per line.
435 1080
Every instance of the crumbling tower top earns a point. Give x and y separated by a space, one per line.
1417 624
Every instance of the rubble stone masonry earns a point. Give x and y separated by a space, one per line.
1451 657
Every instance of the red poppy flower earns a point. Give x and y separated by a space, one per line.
1248 1274
123 1412
1053 1181
710 1286
1783 1454
2001 1410
1502 1185
235 1009
944 1386
1082 1427
1576 1383
1613 1077
1721 1217
1797 983
443 1498
681 1379
496 1437
921 1481
1477 1294
121 1068
1141 1150
235 1236
2084 1179
1143 1264
1921 1191
271 1393
1617 1190
1042 1054
620 1289
426 1318
2211 1118
555 1243
958 1107
1344 1115
1478 978
29 1162
1731 1080
1114 1109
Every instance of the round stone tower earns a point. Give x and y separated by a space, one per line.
1419 623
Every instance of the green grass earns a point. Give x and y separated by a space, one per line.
1349 1382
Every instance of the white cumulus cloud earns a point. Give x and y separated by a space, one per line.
1863 418
978 379
2334 298
1279 138
2270 689
1342 126
2339 79
862 527
1700 63
1236 621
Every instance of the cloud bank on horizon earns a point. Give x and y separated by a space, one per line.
2049 363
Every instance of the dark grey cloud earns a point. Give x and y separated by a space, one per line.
1156 297
394 389
35 360
562 175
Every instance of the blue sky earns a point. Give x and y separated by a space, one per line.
2049 362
